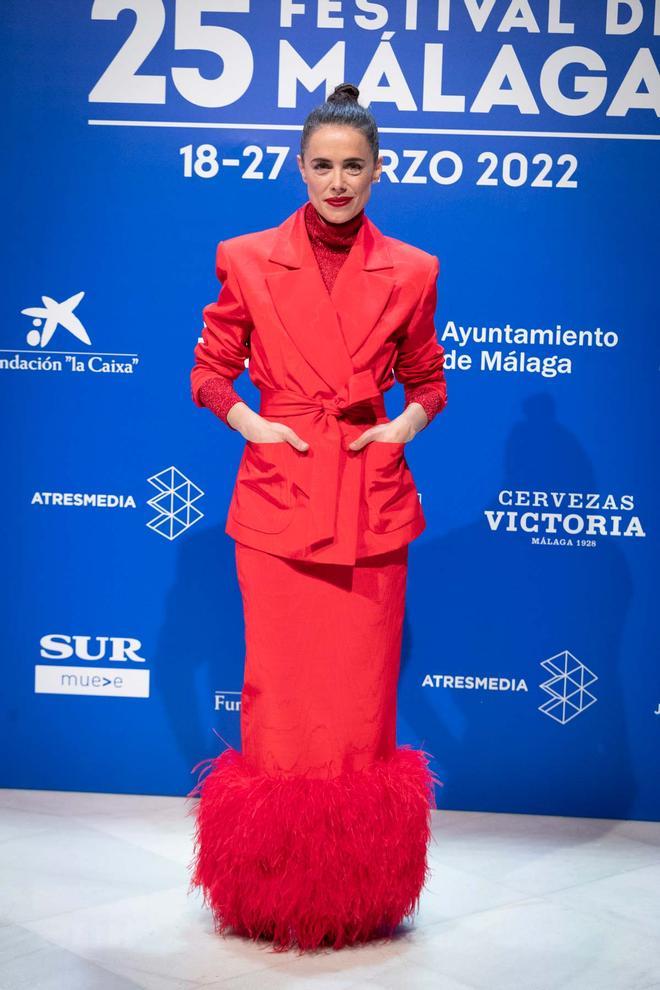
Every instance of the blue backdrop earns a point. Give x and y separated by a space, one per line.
520 148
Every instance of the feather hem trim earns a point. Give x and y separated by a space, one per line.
308 863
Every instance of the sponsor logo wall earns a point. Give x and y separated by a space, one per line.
520 143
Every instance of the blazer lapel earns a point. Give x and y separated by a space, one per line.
363 286
328 329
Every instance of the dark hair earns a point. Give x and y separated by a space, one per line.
342 107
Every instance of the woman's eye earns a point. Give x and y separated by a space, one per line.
353 167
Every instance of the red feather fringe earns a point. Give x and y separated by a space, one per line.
313 862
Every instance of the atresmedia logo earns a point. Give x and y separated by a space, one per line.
174 503
567 687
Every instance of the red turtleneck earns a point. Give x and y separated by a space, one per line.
331 243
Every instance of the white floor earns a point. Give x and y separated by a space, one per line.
94 897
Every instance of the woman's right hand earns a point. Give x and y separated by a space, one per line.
255 428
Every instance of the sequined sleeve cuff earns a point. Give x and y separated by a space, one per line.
429 398
218 395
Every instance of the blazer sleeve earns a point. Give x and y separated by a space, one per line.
420 357
221 352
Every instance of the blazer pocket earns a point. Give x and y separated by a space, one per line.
390 489
262 495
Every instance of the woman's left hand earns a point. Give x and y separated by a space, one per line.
399 430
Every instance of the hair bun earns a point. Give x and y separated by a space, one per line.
344 93
342 109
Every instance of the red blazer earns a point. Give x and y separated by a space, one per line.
321 362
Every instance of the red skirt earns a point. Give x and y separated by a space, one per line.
316 833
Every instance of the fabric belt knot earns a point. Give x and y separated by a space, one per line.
361 389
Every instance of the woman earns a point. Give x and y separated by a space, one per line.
316 832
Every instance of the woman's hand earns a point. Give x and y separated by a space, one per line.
254 427
399 430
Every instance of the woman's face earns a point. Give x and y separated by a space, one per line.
338 170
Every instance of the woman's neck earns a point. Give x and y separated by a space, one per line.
333 234
356 219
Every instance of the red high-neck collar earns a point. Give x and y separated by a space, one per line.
335 236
